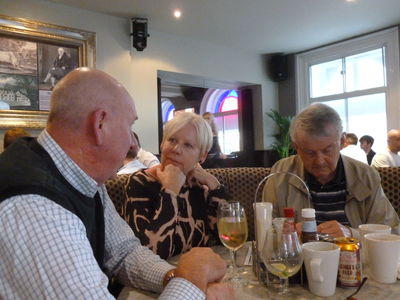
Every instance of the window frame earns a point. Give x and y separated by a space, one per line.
208 104
387 38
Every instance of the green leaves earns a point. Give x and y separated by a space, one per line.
283 144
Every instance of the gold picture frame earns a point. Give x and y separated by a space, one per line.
48 38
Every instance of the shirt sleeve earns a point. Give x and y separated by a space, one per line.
137 265
125 257
45 253
380 160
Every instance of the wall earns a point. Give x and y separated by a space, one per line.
137 71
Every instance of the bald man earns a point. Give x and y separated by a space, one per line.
60 236
390 157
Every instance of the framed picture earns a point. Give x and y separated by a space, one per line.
34 56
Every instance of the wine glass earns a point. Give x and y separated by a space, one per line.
232 231
281 252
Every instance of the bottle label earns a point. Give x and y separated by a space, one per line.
309 226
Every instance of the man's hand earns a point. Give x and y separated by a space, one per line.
334 228
201 266
220 291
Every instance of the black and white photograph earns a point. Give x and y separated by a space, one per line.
19 92
18 56
34 56
54 63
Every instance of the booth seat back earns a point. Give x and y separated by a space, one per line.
241 184
116 191
390 180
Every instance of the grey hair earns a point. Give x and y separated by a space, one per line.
314 121
204 136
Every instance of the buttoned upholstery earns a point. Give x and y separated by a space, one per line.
116 191
241 184
390 180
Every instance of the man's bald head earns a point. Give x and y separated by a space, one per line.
81 92
394 140
91 117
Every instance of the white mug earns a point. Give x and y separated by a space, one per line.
370 228
383 256
321 260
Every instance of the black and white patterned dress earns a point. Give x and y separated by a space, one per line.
167 223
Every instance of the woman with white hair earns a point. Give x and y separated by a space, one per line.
172 207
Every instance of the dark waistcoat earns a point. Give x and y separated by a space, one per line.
26 168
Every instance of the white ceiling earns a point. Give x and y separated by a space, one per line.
260 26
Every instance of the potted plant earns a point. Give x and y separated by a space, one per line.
283 144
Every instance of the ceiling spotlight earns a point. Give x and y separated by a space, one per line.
177 13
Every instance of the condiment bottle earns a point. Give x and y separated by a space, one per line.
309 225
289 225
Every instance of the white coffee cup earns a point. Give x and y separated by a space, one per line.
321 260
370 228
383 256
263 216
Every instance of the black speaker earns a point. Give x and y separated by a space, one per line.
193 93
278 67
139 33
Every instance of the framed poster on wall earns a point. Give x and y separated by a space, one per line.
34 56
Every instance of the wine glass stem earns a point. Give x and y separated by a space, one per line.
285 285
233 256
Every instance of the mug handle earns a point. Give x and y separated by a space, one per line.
315 266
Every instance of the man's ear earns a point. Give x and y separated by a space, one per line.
97 121
343 142
294 145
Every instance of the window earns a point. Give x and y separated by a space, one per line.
224 105
359 79
167 110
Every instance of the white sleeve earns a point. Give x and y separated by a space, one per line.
380 160
45 253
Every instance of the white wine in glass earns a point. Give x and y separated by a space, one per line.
282 253
232 231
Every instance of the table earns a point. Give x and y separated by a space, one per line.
257 291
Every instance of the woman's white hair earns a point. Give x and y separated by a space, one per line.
203 130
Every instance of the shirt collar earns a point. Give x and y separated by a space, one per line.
339 178
67 167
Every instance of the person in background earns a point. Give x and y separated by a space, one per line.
61 66
61 237
344 191
11 135
131 164
350 148
366 142
215 157
390 157
172 207
146 158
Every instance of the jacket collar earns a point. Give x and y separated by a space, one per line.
356 187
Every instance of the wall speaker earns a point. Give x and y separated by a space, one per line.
193 93
139 33
278 67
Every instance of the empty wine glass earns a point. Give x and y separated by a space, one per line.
281 252
232 231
